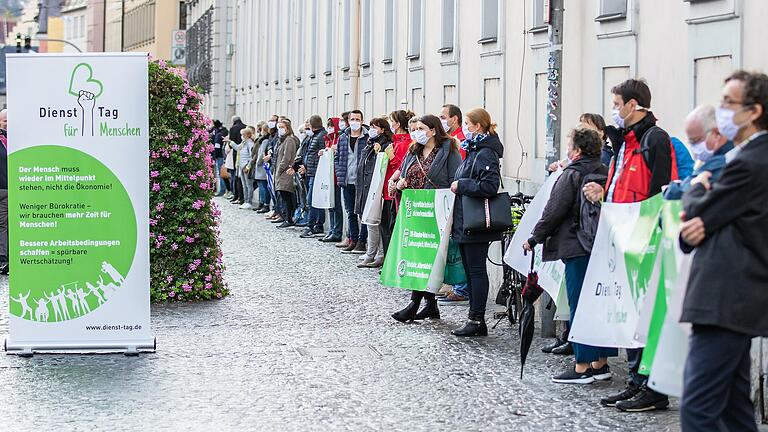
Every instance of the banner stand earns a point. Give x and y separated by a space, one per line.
128 348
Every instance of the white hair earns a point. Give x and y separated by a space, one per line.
705 115
236 118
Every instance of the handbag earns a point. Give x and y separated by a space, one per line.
224 172
486 214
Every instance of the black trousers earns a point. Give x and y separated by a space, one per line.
474 255
387 225
716 390
287 205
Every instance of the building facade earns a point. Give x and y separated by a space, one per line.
74 21
209 47
140 25
300 57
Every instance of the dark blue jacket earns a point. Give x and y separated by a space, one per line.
311 158
341 157
715 165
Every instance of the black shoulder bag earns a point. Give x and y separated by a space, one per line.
486 214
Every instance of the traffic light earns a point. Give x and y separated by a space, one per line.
18 42
27 43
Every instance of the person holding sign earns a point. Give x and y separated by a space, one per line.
479 176
726 299
379 139
557 231
431 163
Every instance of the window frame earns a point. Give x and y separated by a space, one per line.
416 15
489 33
612 16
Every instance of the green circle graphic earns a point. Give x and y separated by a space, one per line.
72 233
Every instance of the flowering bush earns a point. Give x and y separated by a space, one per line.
186 260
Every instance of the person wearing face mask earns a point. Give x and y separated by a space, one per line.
401 141
309 167
557 231
379 139
644 163
727 223
450 117
300 180
431 162
345 164
479 176
235 136
244 149
257 168
286 154
708 145
272 143
336 214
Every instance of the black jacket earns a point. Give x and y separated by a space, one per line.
478 176
366 163
728 286
559 222
234 132
218 141
311 157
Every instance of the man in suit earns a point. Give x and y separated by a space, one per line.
726 300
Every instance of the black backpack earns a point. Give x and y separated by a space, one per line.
588 212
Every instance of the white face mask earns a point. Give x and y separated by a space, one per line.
281 131
446 127
468 134
700 151
330 130
421 137
725 124
302 135
393 129
310 132
342 125
355 125
271 124
413 135
373 133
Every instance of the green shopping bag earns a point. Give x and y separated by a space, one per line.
454 267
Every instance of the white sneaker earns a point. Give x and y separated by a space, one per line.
364 257
246 206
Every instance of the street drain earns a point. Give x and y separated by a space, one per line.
363 351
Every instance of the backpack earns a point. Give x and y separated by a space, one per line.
588 212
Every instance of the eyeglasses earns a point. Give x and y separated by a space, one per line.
726 102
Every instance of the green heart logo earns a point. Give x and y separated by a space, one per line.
82 80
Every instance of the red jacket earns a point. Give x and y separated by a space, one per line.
400 145
645 170
459 135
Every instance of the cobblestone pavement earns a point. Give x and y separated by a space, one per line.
305 342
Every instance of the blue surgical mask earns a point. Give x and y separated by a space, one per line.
617 118
342 125
355 125
700 151
421 137
467 133
330 130
373 133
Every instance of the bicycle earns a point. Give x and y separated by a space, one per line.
510 292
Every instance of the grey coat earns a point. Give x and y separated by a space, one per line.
286 153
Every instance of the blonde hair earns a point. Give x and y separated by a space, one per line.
481 117
248 132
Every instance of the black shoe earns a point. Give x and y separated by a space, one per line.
572 377
407 314
307 233
564 349
317 232
285 224
628 393
327 239
264 210
548 349
301 225
430 310
602 374
472 328
645 400
277 221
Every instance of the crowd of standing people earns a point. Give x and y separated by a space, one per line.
720 175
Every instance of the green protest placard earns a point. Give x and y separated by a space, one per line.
417 253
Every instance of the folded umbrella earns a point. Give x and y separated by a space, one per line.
531 292
301 191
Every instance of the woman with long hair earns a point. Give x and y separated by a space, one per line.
479 176
430 163
284 185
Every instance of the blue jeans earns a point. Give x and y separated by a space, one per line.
461 289
336 214
264 196
222 183
316 216
363 233
575 270
353 225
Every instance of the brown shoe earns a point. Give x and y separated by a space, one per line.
445 291
360 248
343 243
350 248
377 263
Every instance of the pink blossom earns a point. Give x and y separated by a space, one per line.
154 174
189 239
172 294
186 287
174 185
160 206
197 205
155 187
174 246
